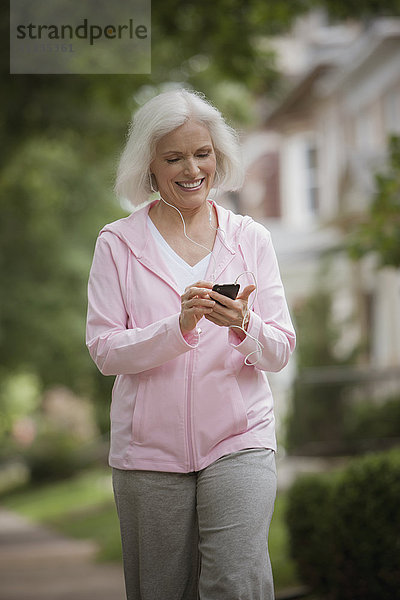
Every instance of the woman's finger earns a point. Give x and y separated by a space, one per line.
246 292
195 291
198 302
213 318
200 284
224 300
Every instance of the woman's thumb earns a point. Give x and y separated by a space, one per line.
246 292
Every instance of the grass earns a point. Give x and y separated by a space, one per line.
83 507
57 499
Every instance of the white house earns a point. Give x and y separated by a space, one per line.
314 168
311 168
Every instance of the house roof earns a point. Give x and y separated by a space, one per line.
296 95
382 34
324 78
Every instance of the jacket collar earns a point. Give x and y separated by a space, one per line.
134 232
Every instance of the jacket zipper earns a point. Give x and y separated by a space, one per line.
189 399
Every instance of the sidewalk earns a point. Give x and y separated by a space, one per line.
38 564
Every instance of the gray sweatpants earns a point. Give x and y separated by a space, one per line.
198 535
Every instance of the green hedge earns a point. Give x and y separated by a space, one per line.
373 421
344 529
55 455
324 420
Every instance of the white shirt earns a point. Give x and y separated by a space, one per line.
183 273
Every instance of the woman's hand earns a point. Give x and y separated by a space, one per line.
230 312
195 304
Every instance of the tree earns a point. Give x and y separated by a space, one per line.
359 9
379 231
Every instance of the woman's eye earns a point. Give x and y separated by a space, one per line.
201 155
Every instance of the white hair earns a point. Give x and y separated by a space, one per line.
161 115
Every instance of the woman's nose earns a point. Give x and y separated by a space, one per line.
191 168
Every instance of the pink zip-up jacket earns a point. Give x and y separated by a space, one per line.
181 402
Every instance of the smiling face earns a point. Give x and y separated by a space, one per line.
184 165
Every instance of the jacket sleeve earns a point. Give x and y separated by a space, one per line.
270 321
115 348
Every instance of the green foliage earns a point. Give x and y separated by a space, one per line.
329 417
54 455
317 334
53 501
316 420
359 9
283 566
326 420
225 33
50 218
372 423
379 232
19 397
308 521
99 523
344 529
367 526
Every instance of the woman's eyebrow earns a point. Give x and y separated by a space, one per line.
206 147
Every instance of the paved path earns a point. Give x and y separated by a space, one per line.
38 564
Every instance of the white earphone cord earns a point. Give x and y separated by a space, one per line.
260 347
190 239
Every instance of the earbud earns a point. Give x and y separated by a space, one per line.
151 175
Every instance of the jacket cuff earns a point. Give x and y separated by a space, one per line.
248 345
191 338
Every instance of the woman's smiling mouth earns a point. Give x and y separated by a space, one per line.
190 185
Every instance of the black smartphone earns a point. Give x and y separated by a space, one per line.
228 289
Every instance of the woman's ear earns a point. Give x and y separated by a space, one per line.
153 182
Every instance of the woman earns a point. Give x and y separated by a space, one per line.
192 436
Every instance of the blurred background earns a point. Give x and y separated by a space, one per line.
313 87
